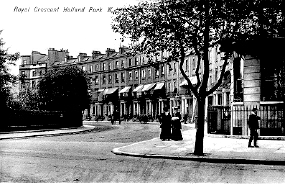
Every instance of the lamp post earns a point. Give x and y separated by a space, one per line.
88 110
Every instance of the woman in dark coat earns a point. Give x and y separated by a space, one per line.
176 126
165 125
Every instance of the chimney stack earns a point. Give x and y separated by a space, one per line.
110 51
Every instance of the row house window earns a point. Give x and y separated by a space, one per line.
194 64
33 84
149 72
144 60
272 78
91 68
109 66
136 61
33 73
122 77
116 78
174 86
156 73
216 74
104 79
97 67
143 73
130 62
83 68
96 80
137 74
210 79
186 65
220 99
174 67
104 66
110 79
123 64
117 64
130 76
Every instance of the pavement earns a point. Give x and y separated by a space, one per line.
44 132
217 148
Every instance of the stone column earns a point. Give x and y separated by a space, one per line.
252 81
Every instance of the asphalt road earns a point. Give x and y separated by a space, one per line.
87 157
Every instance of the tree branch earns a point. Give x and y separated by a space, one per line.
198 62
182 57
206 35
215 87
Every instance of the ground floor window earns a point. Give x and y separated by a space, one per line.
272 79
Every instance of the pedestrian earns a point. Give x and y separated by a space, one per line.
253 121
112 116
165 125
118 116
176 125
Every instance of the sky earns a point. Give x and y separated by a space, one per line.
26 27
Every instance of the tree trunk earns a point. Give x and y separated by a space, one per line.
198 150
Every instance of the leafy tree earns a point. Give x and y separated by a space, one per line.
64 89
6 78
29 99
194 26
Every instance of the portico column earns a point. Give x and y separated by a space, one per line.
183 106
159 107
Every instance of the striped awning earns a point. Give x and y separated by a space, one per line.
148 87
159 85
139 88
192 79
125 89
110 91
100 90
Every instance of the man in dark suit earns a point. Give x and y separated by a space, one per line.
253 124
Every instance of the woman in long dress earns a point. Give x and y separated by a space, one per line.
176 126
165 125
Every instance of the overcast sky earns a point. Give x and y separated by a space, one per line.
26 28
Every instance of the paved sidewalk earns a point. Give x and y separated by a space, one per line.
216 149
48 132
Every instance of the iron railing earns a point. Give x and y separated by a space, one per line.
272 121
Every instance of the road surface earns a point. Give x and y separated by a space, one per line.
87 157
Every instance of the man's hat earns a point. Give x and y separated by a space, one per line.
254 109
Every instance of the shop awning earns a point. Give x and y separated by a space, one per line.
159 85
148 87
110 91
138 89
192 79
100 90
125 89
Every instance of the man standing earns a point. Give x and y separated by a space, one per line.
253 126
